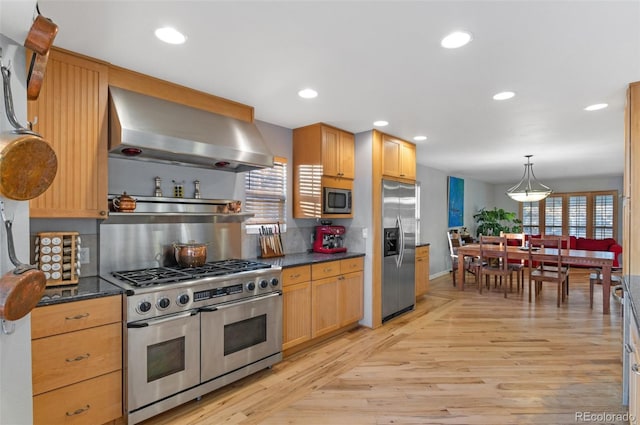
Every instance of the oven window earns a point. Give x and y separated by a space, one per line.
165 358
244 334
337 200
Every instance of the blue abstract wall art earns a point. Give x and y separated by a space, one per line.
456 202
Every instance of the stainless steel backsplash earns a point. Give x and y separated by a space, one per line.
141 245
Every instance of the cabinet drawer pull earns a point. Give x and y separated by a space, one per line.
327 270
81 410
77 359
341 278
77 317
294 276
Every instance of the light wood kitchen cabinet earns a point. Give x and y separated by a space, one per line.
324 306
323 156
71 114
422 270
351 298
398 158
337 297
321 300
76 351
296 308
631 189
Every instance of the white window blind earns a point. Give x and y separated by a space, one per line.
553 216
531 218
266 195
578 216
603 216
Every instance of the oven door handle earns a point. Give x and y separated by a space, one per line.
151 322
237 303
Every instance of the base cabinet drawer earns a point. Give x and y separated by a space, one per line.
68 317
75 356
91 402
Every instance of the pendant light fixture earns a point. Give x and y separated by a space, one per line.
529 189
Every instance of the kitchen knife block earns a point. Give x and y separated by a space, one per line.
57 255
270 246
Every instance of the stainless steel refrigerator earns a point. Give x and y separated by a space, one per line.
399 246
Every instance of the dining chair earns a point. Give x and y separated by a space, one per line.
494 260
470 264
549 267
565 244
596 278
516 266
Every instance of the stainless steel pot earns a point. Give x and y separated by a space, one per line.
190 254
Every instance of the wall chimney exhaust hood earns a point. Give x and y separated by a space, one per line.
152 129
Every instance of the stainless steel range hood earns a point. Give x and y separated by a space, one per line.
151 129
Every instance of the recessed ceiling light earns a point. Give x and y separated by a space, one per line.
456 39
380 123
596 107
308 93
170 35
503 95
420 138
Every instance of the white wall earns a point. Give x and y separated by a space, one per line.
363 219
15 349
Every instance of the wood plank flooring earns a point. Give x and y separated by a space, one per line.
459 358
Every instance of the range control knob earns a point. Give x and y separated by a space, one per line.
183 299
163 303
264 283
144 306
251 286
274 281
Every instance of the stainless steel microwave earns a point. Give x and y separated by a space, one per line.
336 201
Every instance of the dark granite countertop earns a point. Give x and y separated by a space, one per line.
303 258
418 244
86 288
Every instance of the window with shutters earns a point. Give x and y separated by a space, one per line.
577 216
584 214
266 195
531 218
553 215
603 216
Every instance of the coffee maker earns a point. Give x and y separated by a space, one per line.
328 239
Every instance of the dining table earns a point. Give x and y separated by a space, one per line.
602 260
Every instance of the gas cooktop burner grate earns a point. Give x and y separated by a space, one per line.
160 275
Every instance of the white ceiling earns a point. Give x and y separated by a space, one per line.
372 60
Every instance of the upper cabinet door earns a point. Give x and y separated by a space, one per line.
347 155
71 115
408 161
330 152
338 151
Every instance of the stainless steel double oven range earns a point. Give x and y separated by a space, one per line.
189 331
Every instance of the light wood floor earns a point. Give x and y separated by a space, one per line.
459 358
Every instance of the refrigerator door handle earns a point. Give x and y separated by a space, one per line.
398 249
401 242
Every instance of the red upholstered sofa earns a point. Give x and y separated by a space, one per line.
588 244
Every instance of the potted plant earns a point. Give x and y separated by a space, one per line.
492 222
